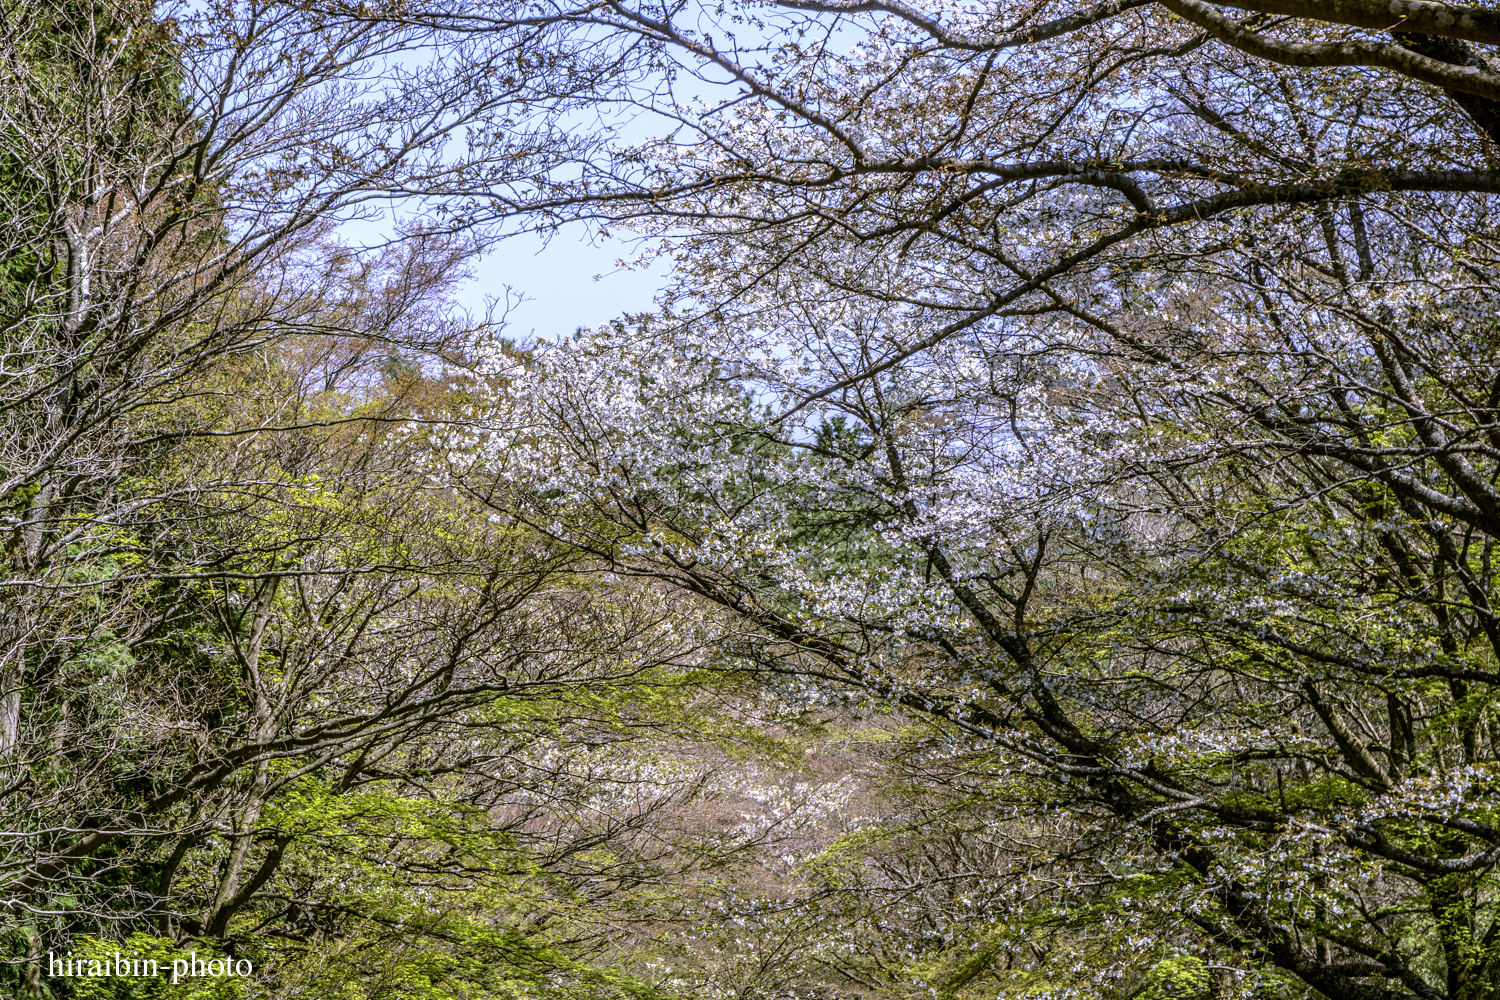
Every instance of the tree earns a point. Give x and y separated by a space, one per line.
1109 388
1117 399
257 674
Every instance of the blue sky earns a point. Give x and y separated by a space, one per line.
559 280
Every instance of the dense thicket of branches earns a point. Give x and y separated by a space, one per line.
1117 385
1070 439
259 679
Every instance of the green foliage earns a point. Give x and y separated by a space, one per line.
1182 977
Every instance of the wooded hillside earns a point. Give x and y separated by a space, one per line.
1041 545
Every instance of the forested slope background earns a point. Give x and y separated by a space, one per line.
1041 545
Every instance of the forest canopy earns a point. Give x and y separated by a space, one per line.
1041 543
